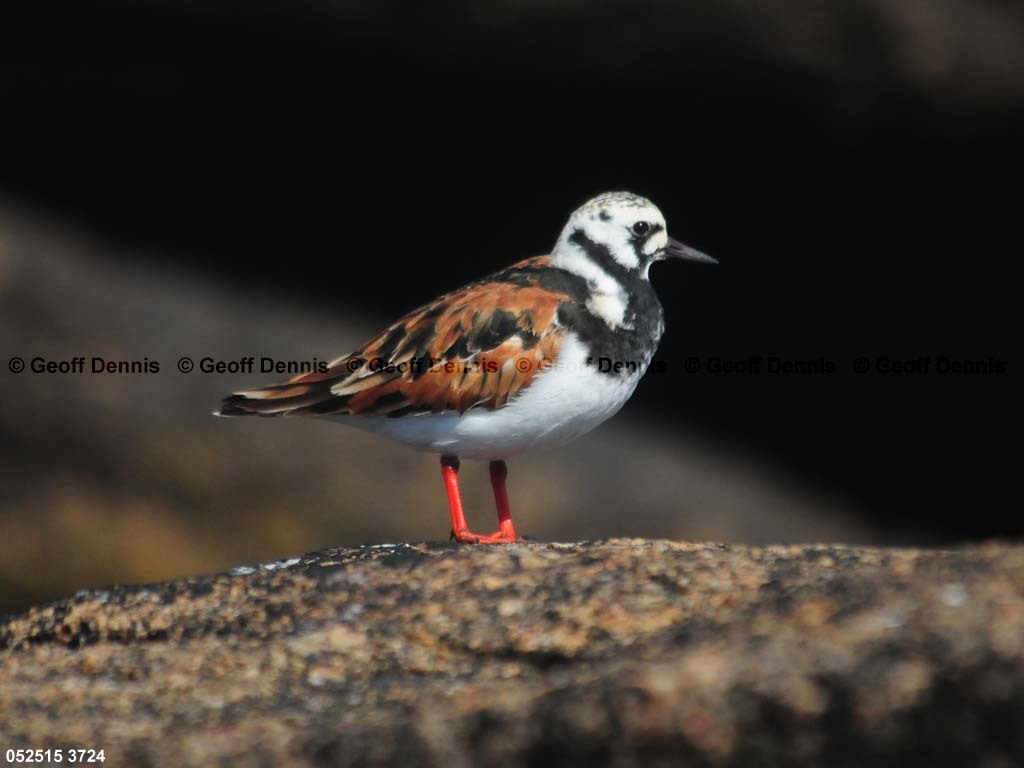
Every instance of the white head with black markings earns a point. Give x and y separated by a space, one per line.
616 236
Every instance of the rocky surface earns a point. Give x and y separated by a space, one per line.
617 652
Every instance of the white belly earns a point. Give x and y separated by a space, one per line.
560 405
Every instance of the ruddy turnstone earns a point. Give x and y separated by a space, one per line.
537 354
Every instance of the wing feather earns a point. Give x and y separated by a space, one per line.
473 348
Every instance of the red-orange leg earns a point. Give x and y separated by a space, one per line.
460 530
505 528
450 473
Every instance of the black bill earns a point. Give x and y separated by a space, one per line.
677 250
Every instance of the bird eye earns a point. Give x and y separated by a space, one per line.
641 228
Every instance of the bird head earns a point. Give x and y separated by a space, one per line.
621 234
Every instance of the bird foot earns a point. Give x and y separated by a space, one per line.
504 536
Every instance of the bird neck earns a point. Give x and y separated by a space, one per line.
614 288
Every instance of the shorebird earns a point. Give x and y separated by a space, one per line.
534 355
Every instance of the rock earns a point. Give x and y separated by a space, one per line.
621 652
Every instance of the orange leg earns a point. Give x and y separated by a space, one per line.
499 471
460 530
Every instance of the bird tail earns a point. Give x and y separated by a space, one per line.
291 397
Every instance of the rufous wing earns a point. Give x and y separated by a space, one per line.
473 348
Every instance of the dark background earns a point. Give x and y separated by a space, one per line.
855 167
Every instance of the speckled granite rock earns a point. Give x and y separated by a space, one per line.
621 652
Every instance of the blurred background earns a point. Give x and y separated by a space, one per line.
278 179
